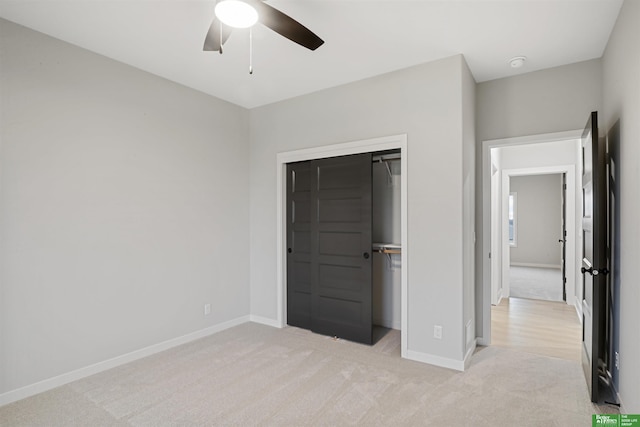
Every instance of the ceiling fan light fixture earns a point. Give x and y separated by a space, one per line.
236 13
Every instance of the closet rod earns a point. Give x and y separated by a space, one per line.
387 251
387 248
385 157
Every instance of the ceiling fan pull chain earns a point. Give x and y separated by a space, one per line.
250 51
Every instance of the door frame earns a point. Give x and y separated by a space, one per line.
392 142
570 172
483 297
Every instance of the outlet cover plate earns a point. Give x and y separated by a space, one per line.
437 332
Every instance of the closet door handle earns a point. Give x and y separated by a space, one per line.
289 250
366 255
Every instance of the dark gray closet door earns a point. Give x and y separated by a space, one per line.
329 262
341 260
299 244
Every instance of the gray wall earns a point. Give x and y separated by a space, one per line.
425 102
124 208
621 69
539 220
553 100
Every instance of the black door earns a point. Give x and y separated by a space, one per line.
336 289
299 288
563 240
595 265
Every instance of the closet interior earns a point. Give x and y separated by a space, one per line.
387 258
343 244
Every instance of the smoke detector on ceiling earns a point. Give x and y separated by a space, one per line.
517 62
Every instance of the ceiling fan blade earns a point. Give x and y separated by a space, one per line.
212 40
286 26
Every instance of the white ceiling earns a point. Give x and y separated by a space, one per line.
362 39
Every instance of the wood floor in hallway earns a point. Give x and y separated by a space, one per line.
541 327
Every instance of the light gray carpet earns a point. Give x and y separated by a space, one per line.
535 283
256 375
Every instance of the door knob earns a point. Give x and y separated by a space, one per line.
595 271
366 255
289 250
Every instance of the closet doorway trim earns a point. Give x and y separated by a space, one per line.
343 149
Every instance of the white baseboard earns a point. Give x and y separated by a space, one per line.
470 351
60 380
265 321
531 264
482 341
578 312
443 362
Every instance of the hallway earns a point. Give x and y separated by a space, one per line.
541 327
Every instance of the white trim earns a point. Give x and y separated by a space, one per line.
578 313
344 149
264 321
495 249
487 145
66 378
469 355
443 362
483 341
534 265
534 139
355 147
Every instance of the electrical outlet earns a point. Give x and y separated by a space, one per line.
207 309
617 360
437 331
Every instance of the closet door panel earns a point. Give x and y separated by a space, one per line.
341 247
336 243
299 282
344 278
340 210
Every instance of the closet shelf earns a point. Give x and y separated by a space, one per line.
387 248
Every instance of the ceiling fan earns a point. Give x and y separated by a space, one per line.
231 14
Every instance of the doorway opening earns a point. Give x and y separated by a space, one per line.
396 144
531 314
546 242
512 158
537 235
